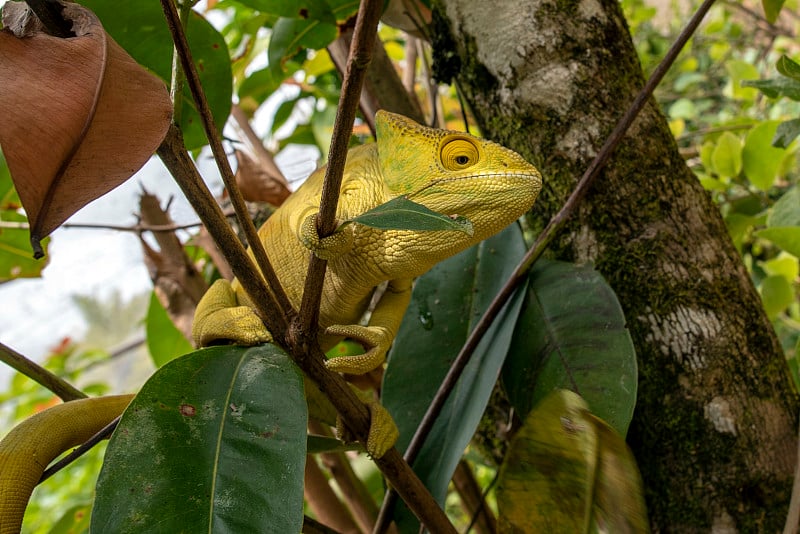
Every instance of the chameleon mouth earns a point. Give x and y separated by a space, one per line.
534 177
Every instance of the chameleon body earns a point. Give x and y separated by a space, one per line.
30 446
452 173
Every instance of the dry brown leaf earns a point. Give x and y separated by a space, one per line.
79 117
256 183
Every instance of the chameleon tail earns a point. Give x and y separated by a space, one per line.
30 446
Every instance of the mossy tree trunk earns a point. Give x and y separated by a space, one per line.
715 425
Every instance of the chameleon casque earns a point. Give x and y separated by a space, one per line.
452 173
449 172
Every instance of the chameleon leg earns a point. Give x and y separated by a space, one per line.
383 431
327 248
219 316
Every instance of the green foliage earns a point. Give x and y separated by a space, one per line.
741 141
450 298
568 471
400 213
572 335
16 259
222 434
164 341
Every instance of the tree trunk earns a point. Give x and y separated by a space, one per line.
715 424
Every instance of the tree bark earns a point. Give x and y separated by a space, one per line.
715 425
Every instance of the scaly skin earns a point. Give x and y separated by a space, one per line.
449 172
30 447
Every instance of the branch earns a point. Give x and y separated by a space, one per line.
56 384
276 296
360 55
555 225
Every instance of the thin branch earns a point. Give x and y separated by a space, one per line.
361 50
84 447
555 225
174 156
56 384
137 228
277 294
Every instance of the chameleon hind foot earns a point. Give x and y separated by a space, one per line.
220 317
383 431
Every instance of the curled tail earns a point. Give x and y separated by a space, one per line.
30 446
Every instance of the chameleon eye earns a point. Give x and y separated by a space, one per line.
459 154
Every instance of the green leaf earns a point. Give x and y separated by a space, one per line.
761 161
776 88
16 254
445 305
740 71
290 35
214 442
771 9
567 471
139 27
403 214
164 341
786 211
788 68
74 520
305 9
727 155
571 335
786 133
776 294
786 237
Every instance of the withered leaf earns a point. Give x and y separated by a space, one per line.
79 117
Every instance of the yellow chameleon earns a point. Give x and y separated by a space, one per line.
449 172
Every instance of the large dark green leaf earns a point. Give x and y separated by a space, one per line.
214 442
571 335
567 471
139 27
446 304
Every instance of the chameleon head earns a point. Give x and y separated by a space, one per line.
456 174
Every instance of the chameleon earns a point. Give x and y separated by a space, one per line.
449 172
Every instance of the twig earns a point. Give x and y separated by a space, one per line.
56 384
277 294
173 154
80 450
360 54
137 228
555 225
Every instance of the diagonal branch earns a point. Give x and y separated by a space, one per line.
277 295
